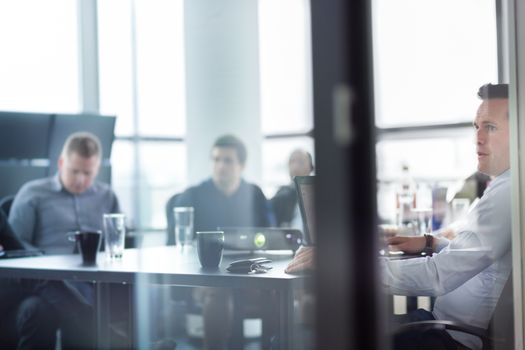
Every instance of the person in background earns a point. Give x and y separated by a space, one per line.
284 203
474 186
472 190
224 200
45 210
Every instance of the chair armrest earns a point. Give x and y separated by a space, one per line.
424 326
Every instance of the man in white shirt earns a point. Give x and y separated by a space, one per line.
468 273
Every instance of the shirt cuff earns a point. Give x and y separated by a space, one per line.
440 243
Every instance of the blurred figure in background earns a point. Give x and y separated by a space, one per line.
474 186
45 210
224 200
463 202
284 203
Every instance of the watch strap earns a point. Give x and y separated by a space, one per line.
429 242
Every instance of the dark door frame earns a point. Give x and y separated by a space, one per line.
348 308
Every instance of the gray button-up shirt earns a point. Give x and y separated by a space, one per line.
44 211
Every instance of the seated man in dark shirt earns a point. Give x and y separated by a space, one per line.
224 200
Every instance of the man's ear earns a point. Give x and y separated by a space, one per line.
60 163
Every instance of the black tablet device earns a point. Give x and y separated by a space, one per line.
19 253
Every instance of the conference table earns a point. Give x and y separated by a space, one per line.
165 265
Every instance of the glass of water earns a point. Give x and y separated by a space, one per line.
183 226
114 234
424 220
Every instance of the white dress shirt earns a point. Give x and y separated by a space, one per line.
468 273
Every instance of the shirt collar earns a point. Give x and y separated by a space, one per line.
504 176
56 185
217 190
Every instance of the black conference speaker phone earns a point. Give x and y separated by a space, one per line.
261 238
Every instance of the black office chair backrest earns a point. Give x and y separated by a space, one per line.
172 202
5 204
8 239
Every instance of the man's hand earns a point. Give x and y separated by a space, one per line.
303 260
410 245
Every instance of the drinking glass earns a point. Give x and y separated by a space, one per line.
460 208
424 220
114 234
183 225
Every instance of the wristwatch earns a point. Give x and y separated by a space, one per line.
429 240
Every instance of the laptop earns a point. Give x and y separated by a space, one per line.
305 188
305 194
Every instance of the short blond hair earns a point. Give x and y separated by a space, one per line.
85 144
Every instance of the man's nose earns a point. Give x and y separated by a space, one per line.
80 178
480 137
219 165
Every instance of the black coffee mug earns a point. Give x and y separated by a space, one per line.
209 248
88 245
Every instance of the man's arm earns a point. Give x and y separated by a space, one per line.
22 218
116 205
265 216
439 274
414 245
485 238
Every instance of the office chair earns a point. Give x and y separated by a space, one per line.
8 239
500 333
5 204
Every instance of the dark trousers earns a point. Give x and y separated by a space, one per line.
417 340
27 321
32 311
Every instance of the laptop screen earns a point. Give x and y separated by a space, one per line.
305 193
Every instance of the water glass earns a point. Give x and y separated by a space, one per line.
114 234
460 207
424 220
183 225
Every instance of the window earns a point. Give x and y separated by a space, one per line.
428 67
286 87
39 61
142 82
426 63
